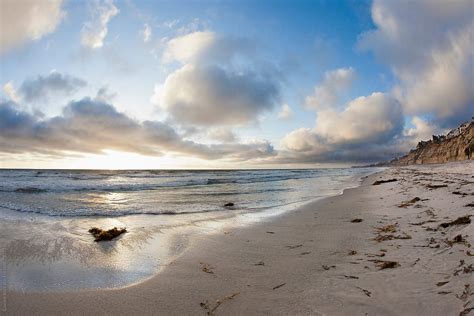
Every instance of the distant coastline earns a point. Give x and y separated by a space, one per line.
456 145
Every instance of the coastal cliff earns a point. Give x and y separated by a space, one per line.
457 145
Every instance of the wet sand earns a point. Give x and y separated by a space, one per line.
316 260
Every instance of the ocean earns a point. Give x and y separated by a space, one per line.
45 216
161 192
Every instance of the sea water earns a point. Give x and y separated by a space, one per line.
45 216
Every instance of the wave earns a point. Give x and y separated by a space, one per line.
88 212
30 190
140 183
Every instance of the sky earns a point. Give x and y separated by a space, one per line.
132 84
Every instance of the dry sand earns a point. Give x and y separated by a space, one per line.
315 260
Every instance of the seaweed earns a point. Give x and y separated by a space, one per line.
444 292
357 220
205 267
423 222
463 220
378 182
391 228
106 235
466 293
380 238
386 264
410 202
459 239
416 261
294 246
466 311
279 286
210 311
366 292
436 186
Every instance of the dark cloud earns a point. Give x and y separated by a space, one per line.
92 126
55 83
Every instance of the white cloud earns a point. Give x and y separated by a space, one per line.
206 47
157 97
146 33
372 118
328 93
211 95
304 140
420 129
95 30
171 24
429 46
11 92
285 113
189 47
208 89
27 20
367 124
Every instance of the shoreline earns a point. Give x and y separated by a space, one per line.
302 262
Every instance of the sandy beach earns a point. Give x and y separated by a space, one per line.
389 249
237 157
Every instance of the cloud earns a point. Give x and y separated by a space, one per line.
375 118
170 24
367 124
212 95
95 29
11 92
304 140
189 47
92 126
206 46
285 113
27 20
105 95
420 129
224 135
212 87
327 94
42 87
146 33
429 46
